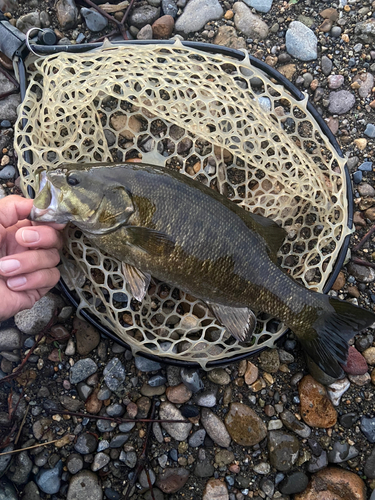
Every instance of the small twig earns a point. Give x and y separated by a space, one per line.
120 25
362 262
28 448
118 420
22 424
364 239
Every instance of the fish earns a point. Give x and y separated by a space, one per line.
160 223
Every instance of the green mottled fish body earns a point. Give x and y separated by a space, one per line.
163 224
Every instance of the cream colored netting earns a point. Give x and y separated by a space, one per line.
220 121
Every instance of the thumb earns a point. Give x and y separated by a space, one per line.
14 208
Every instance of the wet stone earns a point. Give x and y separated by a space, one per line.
86 443
189 411
362 274
5 459
244 425
172 480
356 363
173 376
219 376
295 483
267 487
82 370
316 409
105 425
131 459
341 452
126 426
115 410
49 480
283 449
114 374
119 440
215 428
87 336
292 423
215 489
316 464
100 460
204 468
192 379
178 394
104 393
144 15
367 426
85 485
369 469
102 445
169 7
348 420
157 380
146 365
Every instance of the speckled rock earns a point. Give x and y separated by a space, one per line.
162 28
215 428
316 408
247 22
269 360
340 102
114 374
143 15
196 14
31 321
227 36
362 274
67 14
301 42
215 489
83 486
365 31
283 449
178 394
28 21
355 363
82 370
334 483
219 376
244 425
178 431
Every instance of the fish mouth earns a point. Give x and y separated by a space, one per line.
46 203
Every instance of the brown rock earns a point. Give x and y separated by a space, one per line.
316 409
215 489
244 425
127 127
56 355
333 483
288 70
178 394
369 355
358 219
59 333
172 480
269 360
325 26
339 282
333 124
93 404
330 13
87 336
271 61
163 27
353 291
370 213
227 36
360 143
251 373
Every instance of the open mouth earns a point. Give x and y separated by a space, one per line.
46 202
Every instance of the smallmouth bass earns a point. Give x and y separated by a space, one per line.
161 223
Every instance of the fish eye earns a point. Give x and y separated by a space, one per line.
72 180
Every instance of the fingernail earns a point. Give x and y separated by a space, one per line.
7 266
30 236
16 282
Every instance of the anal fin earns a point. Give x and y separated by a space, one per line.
137 280
239 321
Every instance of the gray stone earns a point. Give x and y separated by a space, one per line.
143 479
197 439
114 374
301 42
145 33
144 15
316 464
341 452
173 376
191 379
146 365
8 172
207 398
335 81
126 426
115 410
178 431
67 14
84 391
30 492
100 460
196 14
94 21
370 130
10 339
8 5
48 480
103 445
8 107
104 393
169 8
131 459
367 426
31 321
340 102
260 5
6 86
215 428
369 469
204 468
365 31
86 443
157 380
105 425
20 469
336 31
7 490
119 440
82 370
292 423
5 459
85 485
283 449
362 274
28 21
247 22
74 463
326 65
295 483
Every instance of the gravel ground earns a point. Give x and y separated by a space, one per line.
257 429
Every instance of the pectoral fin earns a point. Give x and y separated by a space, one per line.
239 321
153 242
138 281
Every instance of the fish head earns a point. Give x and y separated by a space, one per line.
80 195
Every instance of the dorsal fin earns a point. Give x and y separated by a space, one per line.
273 234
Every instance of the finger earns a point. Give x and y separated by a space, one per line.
44 278
28 262
39 236
14 208
59 227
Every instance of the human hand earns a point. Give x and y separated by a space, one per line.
28 257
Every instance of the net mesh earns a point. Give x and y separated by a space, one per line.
213 118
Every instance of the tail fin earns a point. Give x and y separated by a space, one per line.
326 340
